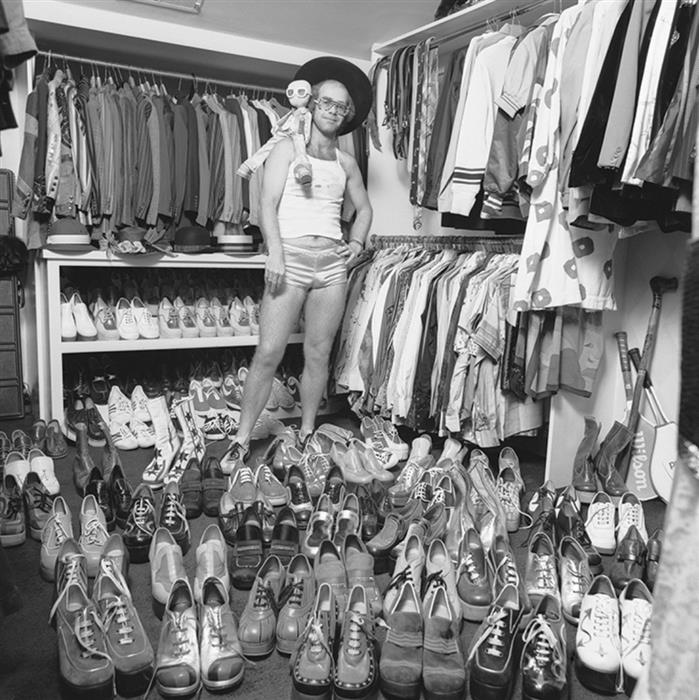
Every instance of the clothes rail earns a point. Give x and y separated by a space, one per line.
51 55
499 244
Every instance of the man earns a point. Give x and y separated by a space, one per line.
307 258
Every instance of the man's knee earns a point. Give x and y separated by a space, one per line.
269 356
317 355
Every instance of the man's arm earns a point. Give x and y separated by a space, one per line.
274 178
360 200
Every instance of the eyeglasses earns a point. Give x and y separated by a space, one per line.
328 105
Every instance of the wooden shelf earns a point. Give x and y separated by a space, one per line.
455 30
77 347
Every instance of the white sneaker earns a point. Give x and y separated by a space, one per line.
44 467
597 642
169 320
139 405
68 330
189 326
18 466
253 310
119 407
83 321
106 324
240 320
148 327
122 436
205 319
636 606
600 523
631 513
145 435
126 321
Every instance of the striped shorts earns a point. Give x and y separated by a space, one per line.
314 268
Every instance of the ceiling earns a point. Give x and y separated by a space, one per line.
342 27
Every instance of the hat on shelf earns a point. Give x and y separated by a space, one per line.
193 239
352 77
67 232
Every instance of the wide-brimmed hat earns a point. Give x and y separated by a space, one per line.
193 239
352 77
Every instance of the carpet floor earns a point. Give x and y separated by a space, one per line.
28 655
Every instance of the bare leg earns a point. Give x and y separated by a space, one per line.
324 309
278 316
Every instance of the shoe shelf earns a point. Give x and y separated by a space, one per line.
52 349
76 347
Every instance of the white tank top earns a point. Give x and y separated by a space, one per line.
314 210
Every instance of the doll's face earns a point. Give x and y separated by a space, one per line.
299 93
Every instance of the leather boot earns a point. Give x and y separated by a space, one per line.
609 477
584 480
83 464
630 555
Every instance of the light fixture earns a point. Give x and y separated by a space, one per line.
191 6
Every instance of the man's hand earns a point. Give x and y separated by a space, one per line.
274 271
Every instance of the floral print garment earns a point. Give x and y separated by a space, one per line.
560 264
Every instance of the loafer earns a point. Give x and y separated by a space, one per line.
654 550
285 536
296 602
359 565
212 560
191 489
312 661
166 566
329 568
247 551
402 654
222 661
213 484
140 525
258 623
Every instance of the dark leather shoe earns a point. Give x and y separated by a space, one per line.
247 551
569 522
654 550
392 532
140 524
38 434
83 464
472 578
285 536
97 486
95 424
173 516
544 654
229 522
121 494
367 510
213 484
55 442
299 498
335 487
629 559
265 514
191 489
